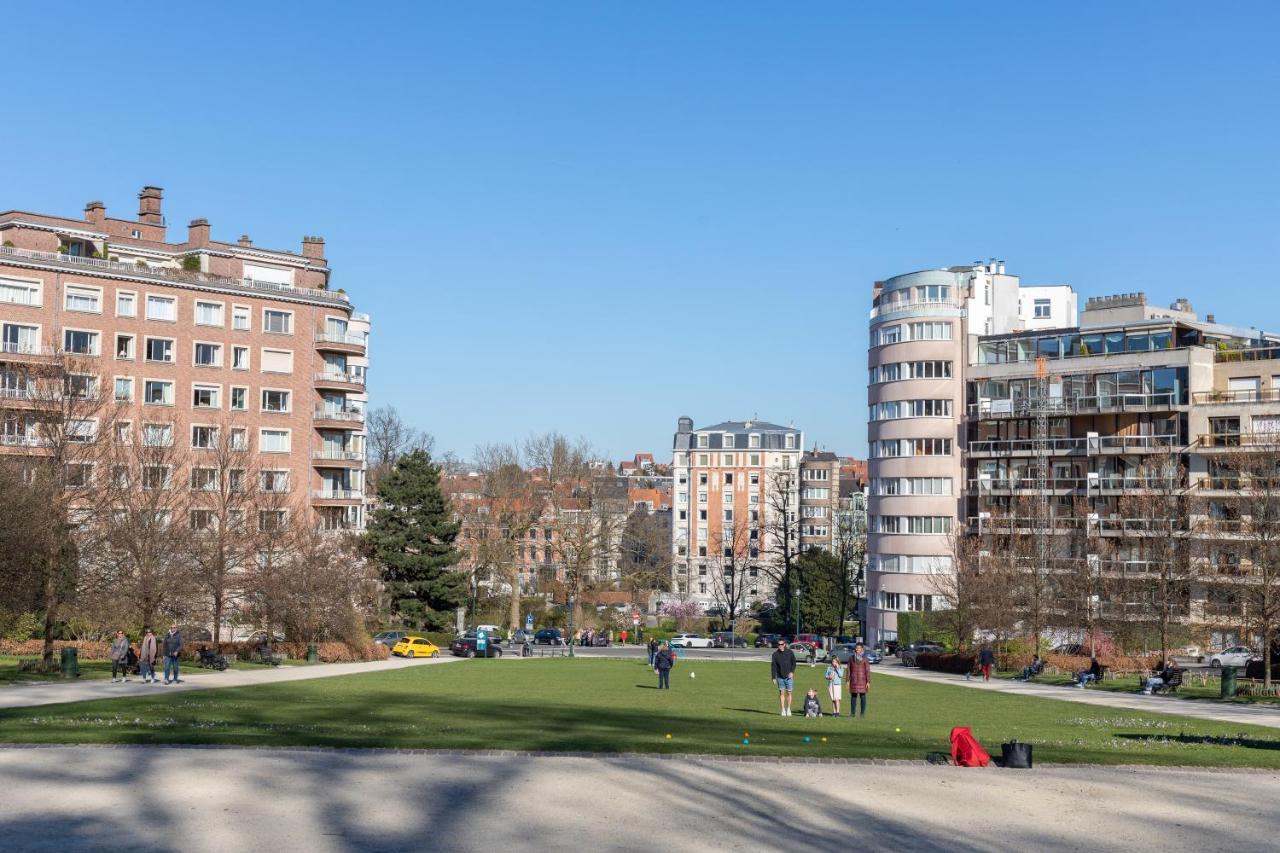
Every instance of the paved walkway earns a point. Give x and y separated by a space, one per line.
69 799
23 695
1256 715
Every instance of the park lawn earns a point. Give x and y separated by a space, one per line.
1129 684
612 706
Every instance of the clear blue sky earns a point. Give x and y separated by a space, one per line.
597 217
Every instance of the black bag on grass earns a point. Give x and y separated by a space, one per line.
1016 755
938 758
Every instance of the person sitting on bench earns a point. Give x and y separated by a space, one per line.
1160 680
1093 673
1034 669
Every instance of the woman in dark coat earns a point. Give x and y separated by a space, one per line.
859 679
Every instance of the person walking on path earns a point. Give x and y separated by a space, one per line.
986 660
172 648
653 649
835 685
119 655
147 656
859 680
782 671
662 662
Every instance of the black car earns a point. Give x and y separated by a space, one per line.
728 640
767 640
521 636
549 637
467 645
907 654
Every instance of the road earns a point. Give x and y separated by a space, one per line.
69 799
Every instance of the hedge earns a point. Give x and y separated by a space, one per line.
955 662
100 650
1076 663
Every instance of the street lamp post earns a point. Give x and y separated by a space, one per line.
795 592
572 626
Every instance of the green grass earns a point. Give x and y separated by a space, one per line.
1190 689
611 706
92 670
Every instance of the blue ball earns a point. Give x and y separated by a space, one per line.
744 740
806 738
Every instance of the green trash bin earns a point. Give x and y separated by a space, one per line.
70 663
1228 682
313 654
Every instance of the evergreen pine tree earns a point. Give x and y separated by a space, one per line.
411 538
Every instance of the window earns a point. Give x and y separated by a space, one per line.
162 308
1042 309
81 430
204 479
754 478
239 398
273 441
277 322
271 519
890 600
886 335
201 519
87 299
814 493
157 435
160 349
79 342
79 475
124 346
124 389
728 459
204 437
208 355
703 440
124 432
126 303
208 313
813 512
205 396
791 441
278 361
155 477
275 401
239 438
239 358
235 480
923 603
157 392
240 318
19 292
930 331
81 386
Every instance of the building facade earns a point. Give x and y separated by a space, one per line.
819 499
189 338
1066 431
736 494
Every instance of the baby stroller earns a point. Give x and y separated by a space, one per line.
209 660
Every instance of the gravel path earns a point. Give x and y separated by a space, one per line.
69 799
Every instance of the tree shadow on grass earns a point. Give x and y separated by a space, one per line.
1211 740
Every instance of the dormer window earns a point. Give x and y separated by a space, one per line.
136 234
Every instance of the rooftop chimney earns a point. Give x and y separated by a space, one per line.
313 247
149 206
684 425
245 241
1209 318
198 232
95 212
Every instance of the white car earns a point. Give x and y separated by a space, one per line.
690 641
1234 656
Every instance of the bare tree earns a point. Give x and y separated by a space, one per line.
1254 581
781 526
389 438
849 547
646 552
320 588
510 505
729 562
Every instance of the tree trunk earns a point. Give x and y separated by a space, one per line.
1266 656
513 612
218 605
52 565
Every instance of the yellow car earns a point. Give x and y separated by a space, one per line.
416 647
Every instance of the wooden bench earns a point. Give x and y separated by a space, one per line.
1170 686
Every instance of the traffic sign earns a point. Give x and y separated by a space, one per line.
635 617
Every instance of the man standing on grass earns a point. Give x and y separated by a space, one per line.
662 662
782 671
172 648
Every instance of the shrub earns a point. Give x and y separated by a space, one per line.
191 263
910 628
955 662
24 627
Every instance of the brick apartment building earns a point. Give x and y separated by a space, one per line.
191 336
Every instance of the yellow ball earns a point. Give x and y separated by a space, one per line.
896 730
824 740
668 737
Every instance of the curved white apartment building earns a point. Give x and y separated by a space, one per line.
922 324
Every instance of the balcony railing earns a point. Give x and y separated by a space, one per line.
1023 407
175 275
337 494
1249 395
335 376
1114 483
338 415
1029 446
16 394
17 348
883 310
1240 439
338 455
23 441
332 338
1248 354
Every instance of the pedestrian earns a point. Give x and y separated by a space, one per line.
782 671
653 649
813 654
147 656
835 684
811 706
663 661
172 648
623 636
986 659
119 655
859 676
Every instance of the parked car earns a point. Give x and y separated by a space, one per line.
415 647
728 640
767 640
549 637
811 639
389 638
1074 649
1233 656
801 650
907 654
491 631
689 641
468 646
521 636
890 647
842 652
